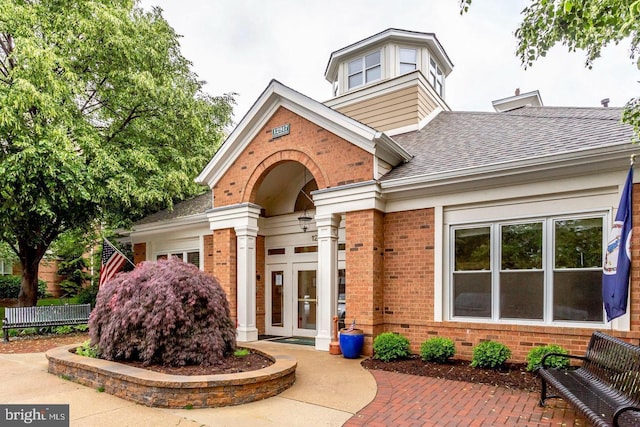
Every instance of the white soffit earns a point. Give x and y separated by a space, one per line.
278 95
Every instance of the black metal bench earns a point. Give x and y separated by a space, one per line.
605 388
43 316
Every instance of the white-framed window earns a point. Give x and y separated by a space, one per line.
365 70
436 78
192 257
6 268
408 60
543 270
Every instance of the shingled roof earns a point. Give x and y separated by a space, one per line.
194 206
461 140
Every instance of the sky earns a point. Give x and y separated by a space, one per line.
241 45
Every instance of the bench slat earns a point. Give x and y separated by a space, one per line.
40 316
608 379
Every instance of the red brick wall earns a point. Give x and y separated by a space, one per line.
364 272
260 284
139 253
634 301
225 265
331 160
408 271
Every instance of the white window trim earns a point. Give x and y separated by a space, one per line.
400 61
435 76
184 255
6 268
364 69
548 260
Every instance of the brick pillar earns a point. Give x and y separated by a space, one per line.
364 273
139 252
224 265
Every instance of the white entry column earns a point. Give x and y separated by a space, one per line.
246 239
243 218
327 280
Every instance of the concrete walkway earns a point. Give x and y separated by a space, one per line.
329 391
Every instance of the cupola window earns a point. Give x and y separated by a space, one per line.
365 70
408 60
436 77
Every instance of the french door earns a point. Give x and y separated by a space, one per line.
291 299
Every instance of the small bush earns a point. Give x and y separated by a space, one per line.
88 295
166 312
63 330
10 287
87 350
241 352
437 349
490 354
389 346
534 357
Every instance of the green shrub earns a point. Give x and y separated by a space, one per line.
534 357
10 287
88 295
166 312
87 350
389 346
437 349
63 330
241 352
490 354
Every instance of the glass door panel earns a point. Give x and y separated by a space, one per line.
277 298
306 301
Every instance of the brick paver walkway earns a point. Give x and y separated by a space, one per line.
408 400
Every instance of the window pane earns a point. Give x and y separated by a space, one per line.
521 246
522 295
372 59
355 66
577 295
193 258
472 294
472 249
578 243
159 257
277 297
355 80
408 55
373 74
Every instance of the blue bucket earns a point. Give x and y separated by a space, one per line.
351 343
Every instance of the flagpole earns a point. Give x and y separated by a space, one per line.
117 250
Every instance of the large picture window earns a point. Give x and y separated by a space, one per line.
191 257
543 270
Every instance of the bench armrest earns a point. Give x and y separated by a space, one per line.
568 356
621 410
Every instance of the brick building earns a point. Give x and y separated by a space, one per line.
384 205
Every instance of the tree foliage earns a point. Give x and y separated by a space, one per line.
100 118
588 25
166 312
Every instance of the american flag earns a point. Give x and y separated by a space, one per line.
112 262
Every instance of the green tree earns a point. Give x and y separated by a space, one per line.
101 119
588 25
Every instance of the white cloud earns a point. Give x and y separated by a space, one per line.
240 45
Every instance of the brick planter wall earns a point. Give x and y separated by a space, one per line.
173 391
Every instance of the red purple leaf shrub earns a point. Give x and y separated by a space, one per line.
166 312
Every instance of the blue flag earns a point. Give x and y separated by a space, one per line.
617 261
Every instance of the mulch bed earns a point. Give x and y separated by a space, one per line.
512 375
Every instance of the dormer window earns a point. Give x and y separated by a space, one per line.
408 60
365 70
436 77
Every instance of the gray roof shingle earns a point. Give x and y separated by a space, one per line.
460 140
193 206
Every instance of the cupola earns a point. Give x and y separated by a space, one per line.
393 81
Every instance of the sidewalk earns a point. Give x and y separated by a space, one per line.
329 391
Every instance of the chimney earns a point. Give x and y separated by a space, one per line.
517 91
605 102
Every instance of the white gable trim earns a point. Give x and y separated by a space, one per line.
278 95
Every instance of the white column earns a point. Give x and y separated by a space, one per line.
243 218
327 280
246 259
